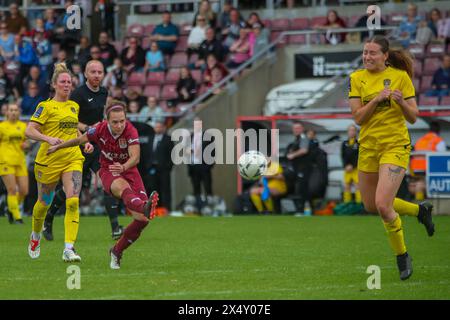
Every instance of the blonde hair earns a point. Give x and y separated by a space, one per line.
60 68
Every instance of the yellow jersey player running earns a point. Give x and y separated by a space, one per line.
53 122
13 166
382 99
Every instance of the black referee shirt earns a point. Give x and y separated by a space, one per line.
91 104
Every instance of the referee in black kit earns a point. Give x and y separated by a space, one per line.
91 97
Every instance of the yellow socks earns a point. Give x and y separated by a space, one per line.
358 196
347 196
395 233
269 204
405 208
71 220
257 202
13 206
39 212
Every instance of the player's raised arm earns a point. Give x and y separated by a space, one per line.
69 143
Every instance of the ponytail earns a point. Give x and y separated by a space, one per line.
401 59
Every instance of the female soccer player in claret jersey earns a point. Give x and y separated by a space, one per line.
118 141
382 99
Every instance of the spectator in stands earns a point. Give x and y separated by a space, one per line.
407 29
6 88
38 27
67 38
430 142
212 62
6 42
211 45
254 18
154 59
334 21
133 56
166 34
152 112
362 23
444 31
77 72
433 22
272 184
107 9
43 51
83 51
258 39
440 85
207 13
231 31
134 95
26 55
186 86
240 50
224 16
49 20
95 54
35 75
117 93
133 111
197 35
107 51
31 99
297 155
116 75
424 34
75 82
16 21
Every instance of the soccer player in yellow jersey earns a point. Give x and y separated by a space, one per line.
53 122
13 166
381 98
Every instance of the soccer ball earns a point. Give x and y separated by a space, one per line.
252 165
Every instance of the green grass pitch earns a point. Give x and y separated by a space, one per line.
240 257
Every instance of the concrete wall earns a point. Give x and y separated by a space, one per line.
220 112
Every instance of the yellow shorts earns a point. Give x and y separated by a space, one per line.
369 160
351 177
52 174
18 171
278 185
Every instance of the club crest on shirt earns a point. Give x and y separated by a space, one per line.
73 110
122 143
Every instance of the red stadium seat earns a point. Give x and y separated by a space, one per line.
435 50
417 50
137 89
425 83
274 36
431 65
152 91
136 79
136 29
297 39
267 23
416 84
202 90
445 101
173 75
182 44
353 20
280 24
299 24
193 58
169 91
197 75
417 68
146 41
317 21
179 59
118 45
428 101
396 18
149 29
155 78
185 28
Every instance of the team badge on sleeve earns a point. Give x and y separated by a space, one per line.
38 112
91 130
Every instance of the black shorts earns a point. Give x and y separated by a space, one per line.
92 160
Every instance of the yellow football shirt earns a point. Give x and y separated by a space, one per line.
387 125
12 135
58 120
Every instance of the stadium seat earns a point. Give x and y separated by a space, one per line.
435 50
185 29
155 78
136 29
202 90
299 24
152 91
431 65
425 83
173 75
267 23
169 91
395 18
137 89
145 44
197 75
280 24
193 58
55 49
317 21
428 101
118 45
417 68
182 44
179 59
416 84
149 29
445 101
417 50
274 36
136 79
297 39
353 20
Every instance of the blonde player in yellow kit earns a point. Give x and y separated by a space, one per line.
53 122
13 166
381 98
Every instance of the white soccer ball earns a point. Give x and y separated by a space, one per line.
252 165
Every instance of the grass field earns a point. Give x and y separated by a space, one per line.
244 257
